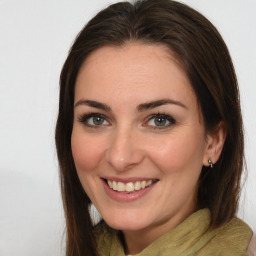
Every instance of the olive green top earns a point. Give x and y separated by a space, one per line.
191 237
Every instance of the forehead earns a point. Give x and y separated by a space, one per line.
141 71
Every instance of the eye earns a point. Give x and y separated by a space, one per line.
94 120
160 121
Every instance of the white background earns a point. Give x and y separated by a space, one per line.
34 40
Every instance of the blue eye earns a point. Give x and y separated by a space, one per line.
160 121
93 120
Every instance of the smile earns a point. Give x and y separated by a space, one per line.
129 187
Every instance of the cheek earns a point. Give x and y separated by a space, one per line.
180 152
86 152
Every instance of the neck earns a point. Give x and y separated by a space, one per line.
136 241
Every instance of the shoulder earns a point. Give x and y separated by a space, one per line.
236 228
232 238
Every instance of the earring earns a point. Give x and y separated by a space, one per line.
210 163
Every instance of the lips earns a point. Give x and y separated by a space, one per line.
127 190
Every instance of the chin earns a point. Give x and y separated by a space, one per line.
124 222
131 226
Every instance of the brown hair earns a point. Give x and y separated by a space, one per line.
204 57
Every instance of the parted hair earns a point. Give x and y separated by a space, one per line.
204 57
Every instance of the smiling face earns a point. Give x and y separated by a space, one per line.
138 129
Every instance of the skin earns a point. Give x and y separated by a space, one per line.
129 144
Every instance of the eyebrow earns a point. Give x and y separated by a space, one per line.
94 104
140 108
158 103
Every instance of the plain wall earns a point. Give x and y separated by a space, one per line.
34 40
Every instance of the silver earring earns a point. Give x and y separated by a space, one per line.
210 163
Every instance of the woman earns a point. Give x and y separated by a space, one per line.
150 131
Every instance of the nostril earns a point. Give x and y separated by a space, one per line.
124 160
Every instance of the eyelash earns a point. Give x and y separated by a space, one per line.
85 118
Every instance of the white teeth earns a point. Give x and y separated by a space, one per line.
114 185
130 186
110 184
137 185
149 183
143 184
120 186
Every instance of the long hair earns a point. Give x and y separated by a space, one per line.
200 49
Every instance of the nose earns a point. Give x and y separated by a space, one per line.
124 151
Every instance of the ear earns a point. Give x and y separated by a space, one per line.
215 141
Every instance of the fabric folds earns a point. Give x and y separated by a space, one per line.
191 237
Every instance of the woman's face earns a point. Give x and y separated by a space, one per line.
138 139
